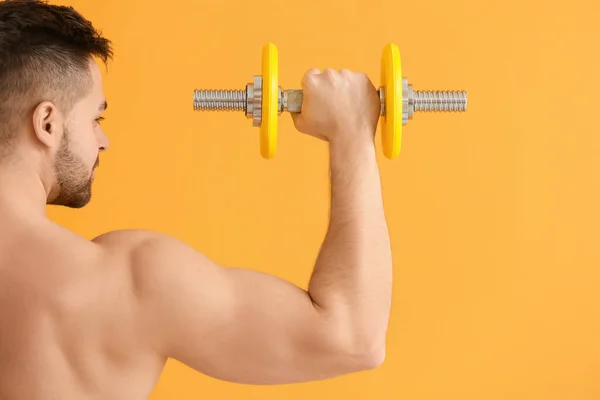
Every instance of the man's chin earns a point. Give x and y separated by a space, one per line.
79 200
72 204
80 203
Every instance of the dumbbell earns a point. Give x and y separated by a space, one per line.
264 100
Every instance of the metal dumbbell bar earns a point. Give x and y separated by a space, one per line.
264 100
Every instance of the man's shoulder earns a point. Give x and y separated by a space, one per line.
147 247
125 238
130 244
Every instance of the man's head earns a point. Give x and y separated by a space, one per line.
51 96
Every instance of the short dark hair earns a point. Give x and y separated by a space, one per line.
44 56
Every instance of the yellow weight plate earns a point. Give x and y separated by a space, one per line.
270 101
391 80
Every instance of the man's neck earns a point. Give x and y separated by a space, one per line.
23 193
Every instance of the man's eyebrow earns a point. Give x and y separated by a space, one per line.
103 106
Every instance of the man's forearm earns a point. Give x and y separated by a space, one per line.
352 279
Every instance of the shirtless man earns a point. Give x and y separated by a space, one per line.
98 319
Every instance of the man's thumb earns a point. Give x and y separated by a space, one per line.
298 120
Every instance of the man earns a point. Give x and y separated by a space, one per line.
98 319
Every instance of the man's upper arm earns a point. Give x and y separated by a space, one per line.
234 324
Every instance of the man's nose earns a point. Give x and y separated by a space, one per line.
103 142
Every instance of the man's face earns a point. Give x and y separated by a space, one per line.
78 153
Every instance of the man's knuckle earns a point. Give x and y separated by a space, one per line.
331 73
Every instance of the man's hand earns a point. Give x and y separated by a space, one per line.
338 106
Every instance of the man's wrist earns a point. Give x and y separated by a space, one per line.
353 146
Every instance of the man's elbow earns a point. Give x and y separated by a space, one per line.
375 358
372 357
358 350
366 356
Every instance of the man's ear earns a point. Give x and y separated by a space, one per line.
47 123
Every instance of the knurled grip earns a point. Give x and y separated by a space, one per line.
292 100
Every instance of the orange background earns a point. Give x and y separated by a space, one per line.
493 214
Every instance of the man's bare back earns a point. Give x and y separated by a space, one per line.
98 319
69 324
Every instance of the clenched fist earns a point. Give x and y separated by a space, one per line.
338 106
